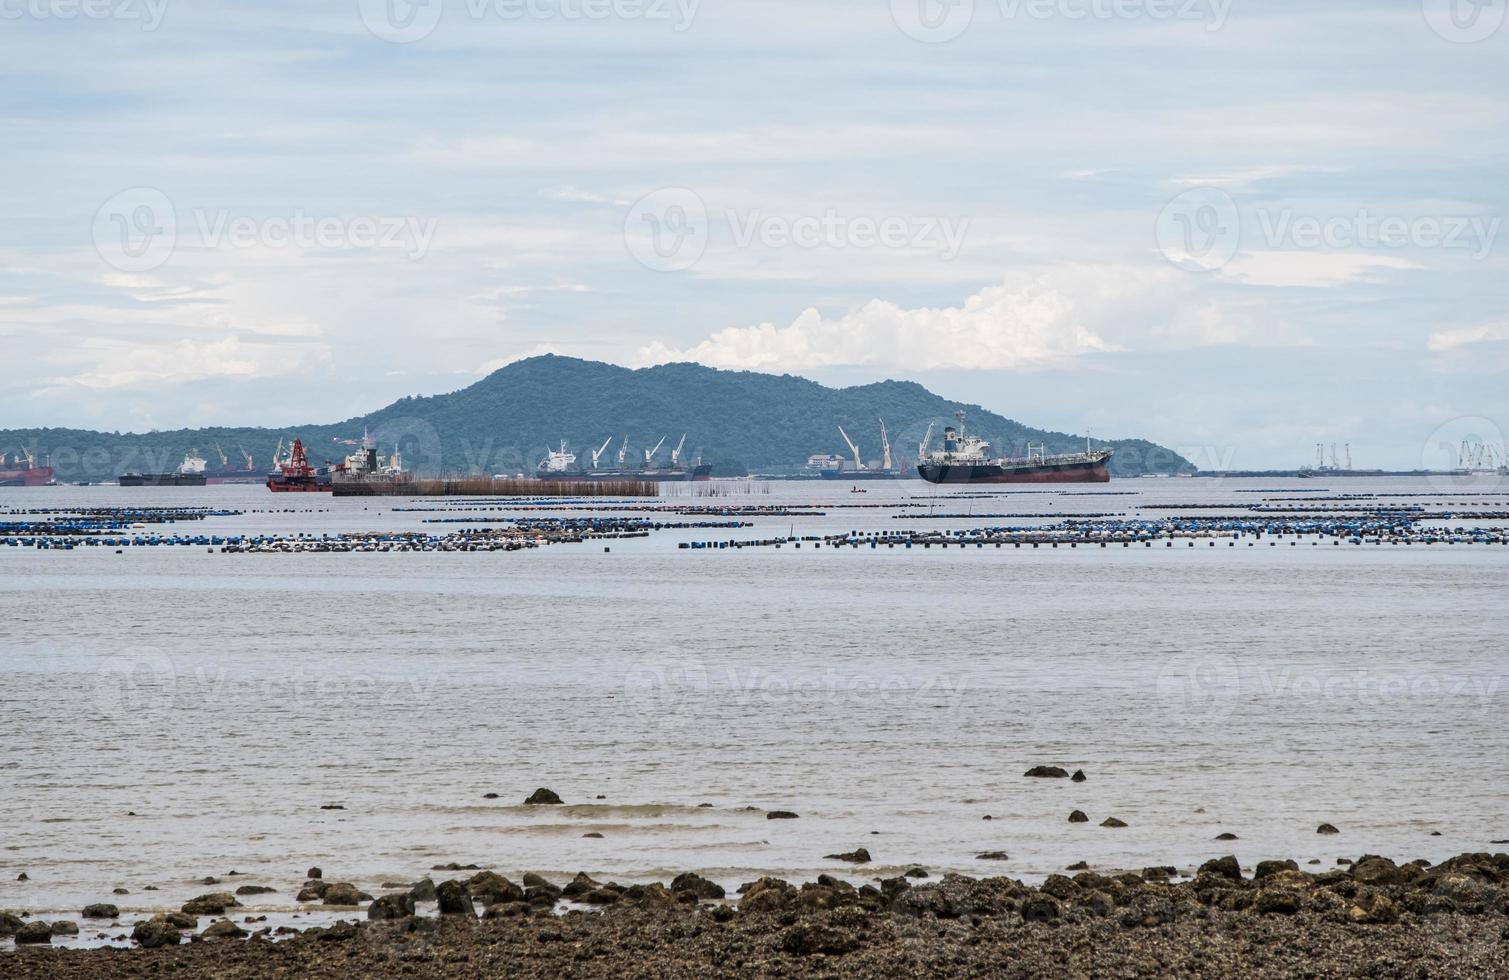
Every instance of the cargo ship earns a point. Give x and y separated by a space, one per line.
563 465
225 472
887 470
295 475
190 473
966 459
23 471
365 474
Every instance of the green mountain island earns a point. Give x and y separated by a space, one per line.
739 421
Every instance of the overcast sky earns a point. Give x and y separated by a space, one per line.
1237 228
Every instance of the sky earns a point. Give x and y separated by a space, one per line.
1236 228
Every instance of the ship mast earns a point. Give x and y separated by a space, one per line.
926 438
676 453
623 452
885 448
649 455
599 453
858 463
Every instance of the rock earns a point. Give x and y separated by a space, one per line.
780 815
987 817
255 890
314 873
423 890
453 866
1228 835
154 933
101 910
65 928
209 880
1047 772
1040 909
1277 902
700 886
915 873
657 895
542 796
454 899
224 929
1268 868
215 903
992 856
331 806
1223 867
1374 870
1078 777
392 906
1078 816
489 796
1374 909
33 933
809 938
1112 822
120 891
1079 866
1326 828
23 876
594 835
704 806
532 880
344 893
857 856
580 885
9 924
312 891
493 889
601 896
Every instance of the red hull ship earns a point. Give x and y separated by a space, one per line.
295 475
23 471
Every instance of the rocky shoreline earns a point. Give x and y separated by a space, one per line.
1371 917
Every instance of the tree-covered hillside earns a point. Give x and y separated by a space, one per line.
503 424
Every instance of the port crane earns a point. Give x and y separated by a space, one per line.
676 453
598 454
649 454
927 437
623 452
858 463
246 456
885 448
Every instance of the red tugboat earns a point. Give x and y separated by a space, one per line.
23 471
295 475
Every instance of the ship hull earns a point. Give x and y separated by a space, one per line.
37 476
1089 471
161 480
846 476
279 484
698 473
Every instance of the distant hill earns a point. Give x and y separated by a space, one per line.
502 424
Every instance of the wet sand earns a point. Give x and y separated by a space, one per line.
1373 918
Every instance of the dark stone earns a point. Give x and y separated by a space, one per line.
697 885
542 796
1078 777
1040 909
23 876
314 873
809 938
580 885
780 815
215 903
1079 866
154 933
493 889
63 927
423 890
454 899
255 890
344 893
601 896
1228 835
594 835
34 933
916 873
489 796
1277 902
1223 867
392 906
224 929
1047 772
857 856
1326 828
1267 868
1078 816
1112 822
331 806
9 924
992 856
101 910
1161 871
120 891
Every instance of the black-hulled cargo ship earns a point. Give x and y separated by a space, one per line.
967 459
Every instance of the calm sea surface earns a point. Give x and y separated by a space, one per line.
891 697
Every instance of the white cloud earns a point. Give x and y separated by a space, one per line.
118 365
1036 320
1447 340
